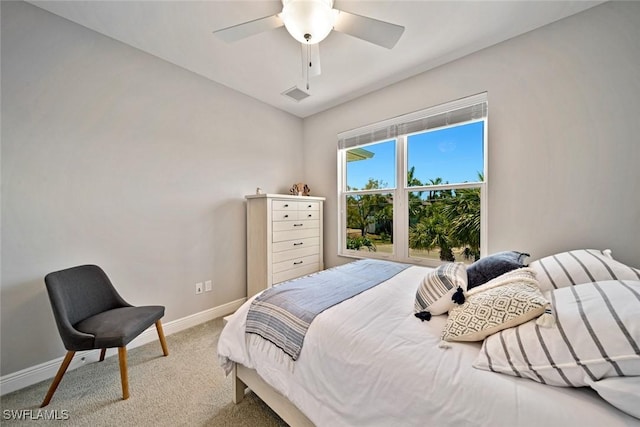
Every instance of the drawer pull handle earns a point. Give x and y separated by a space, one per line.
298 262
286 206
298 244
298 225
310 215
309 206
286 216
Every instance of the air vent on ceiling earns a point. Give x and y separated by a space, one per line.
296 94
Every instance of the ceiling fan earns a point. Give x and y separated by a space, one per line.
310 22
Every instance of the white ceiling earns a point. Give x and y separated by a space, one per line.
267 64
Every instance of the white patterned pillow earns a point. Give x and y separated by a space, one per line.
438 286
597 335
504 302
580 266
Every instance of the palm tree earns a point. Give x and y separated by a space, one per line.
416 208
432 231
449 219
463 213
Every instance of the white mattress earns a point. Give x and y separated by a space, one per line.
370 362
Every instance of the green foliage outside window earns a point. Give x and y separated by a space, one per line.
443 220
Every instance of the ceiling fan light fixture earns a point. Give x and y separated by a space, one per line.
308 21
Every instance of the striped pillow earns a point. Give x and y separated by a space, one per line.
580 266
597 335
438 286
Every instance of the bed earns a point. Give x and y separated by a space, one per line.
368 361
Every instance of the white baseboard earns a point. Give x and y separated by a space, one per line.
35 374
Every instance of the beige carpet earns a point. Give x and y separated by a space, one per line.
187 388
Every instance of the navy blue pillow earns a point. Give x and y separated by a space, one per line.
493 266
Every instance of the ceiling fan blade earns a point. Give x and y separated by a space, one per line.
310 54
382 33
250 28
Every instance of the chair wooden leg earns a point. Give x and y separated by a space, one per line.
58 377
124 377
163 342
102 353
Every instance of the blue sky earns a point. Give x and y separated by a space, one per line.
454 154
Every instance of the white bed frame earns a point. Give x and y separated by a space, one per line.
244 378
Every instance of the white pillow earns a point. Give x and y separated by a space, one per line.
621 392
597 335
506 301
580 266
438 286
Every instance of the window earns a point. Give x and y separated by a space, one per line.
413 188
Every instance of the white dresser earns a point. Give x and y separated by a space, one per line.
284 239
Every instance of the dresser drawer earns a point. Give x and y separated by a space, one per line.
295 225
309 215
308 206
284 205
295 263
289 215
295 253
295 272
296 244
280 236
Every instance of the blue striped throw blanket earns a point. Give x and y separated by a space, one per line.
282 314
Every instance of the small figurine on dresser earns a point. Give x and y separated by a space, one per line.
300 189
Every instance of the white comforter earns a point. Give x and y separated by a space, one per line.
369 362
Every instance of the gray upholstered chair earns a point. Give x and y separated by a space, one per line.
91 315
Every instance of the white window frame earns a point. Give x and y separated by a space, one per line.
393 129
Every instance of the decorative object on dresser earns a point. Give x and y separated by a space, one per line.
300 189
284 239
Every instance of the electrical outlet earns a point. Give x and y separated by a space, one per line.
198 288
208 285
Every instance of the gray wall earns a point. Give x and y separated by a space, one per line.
564 151
115 157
